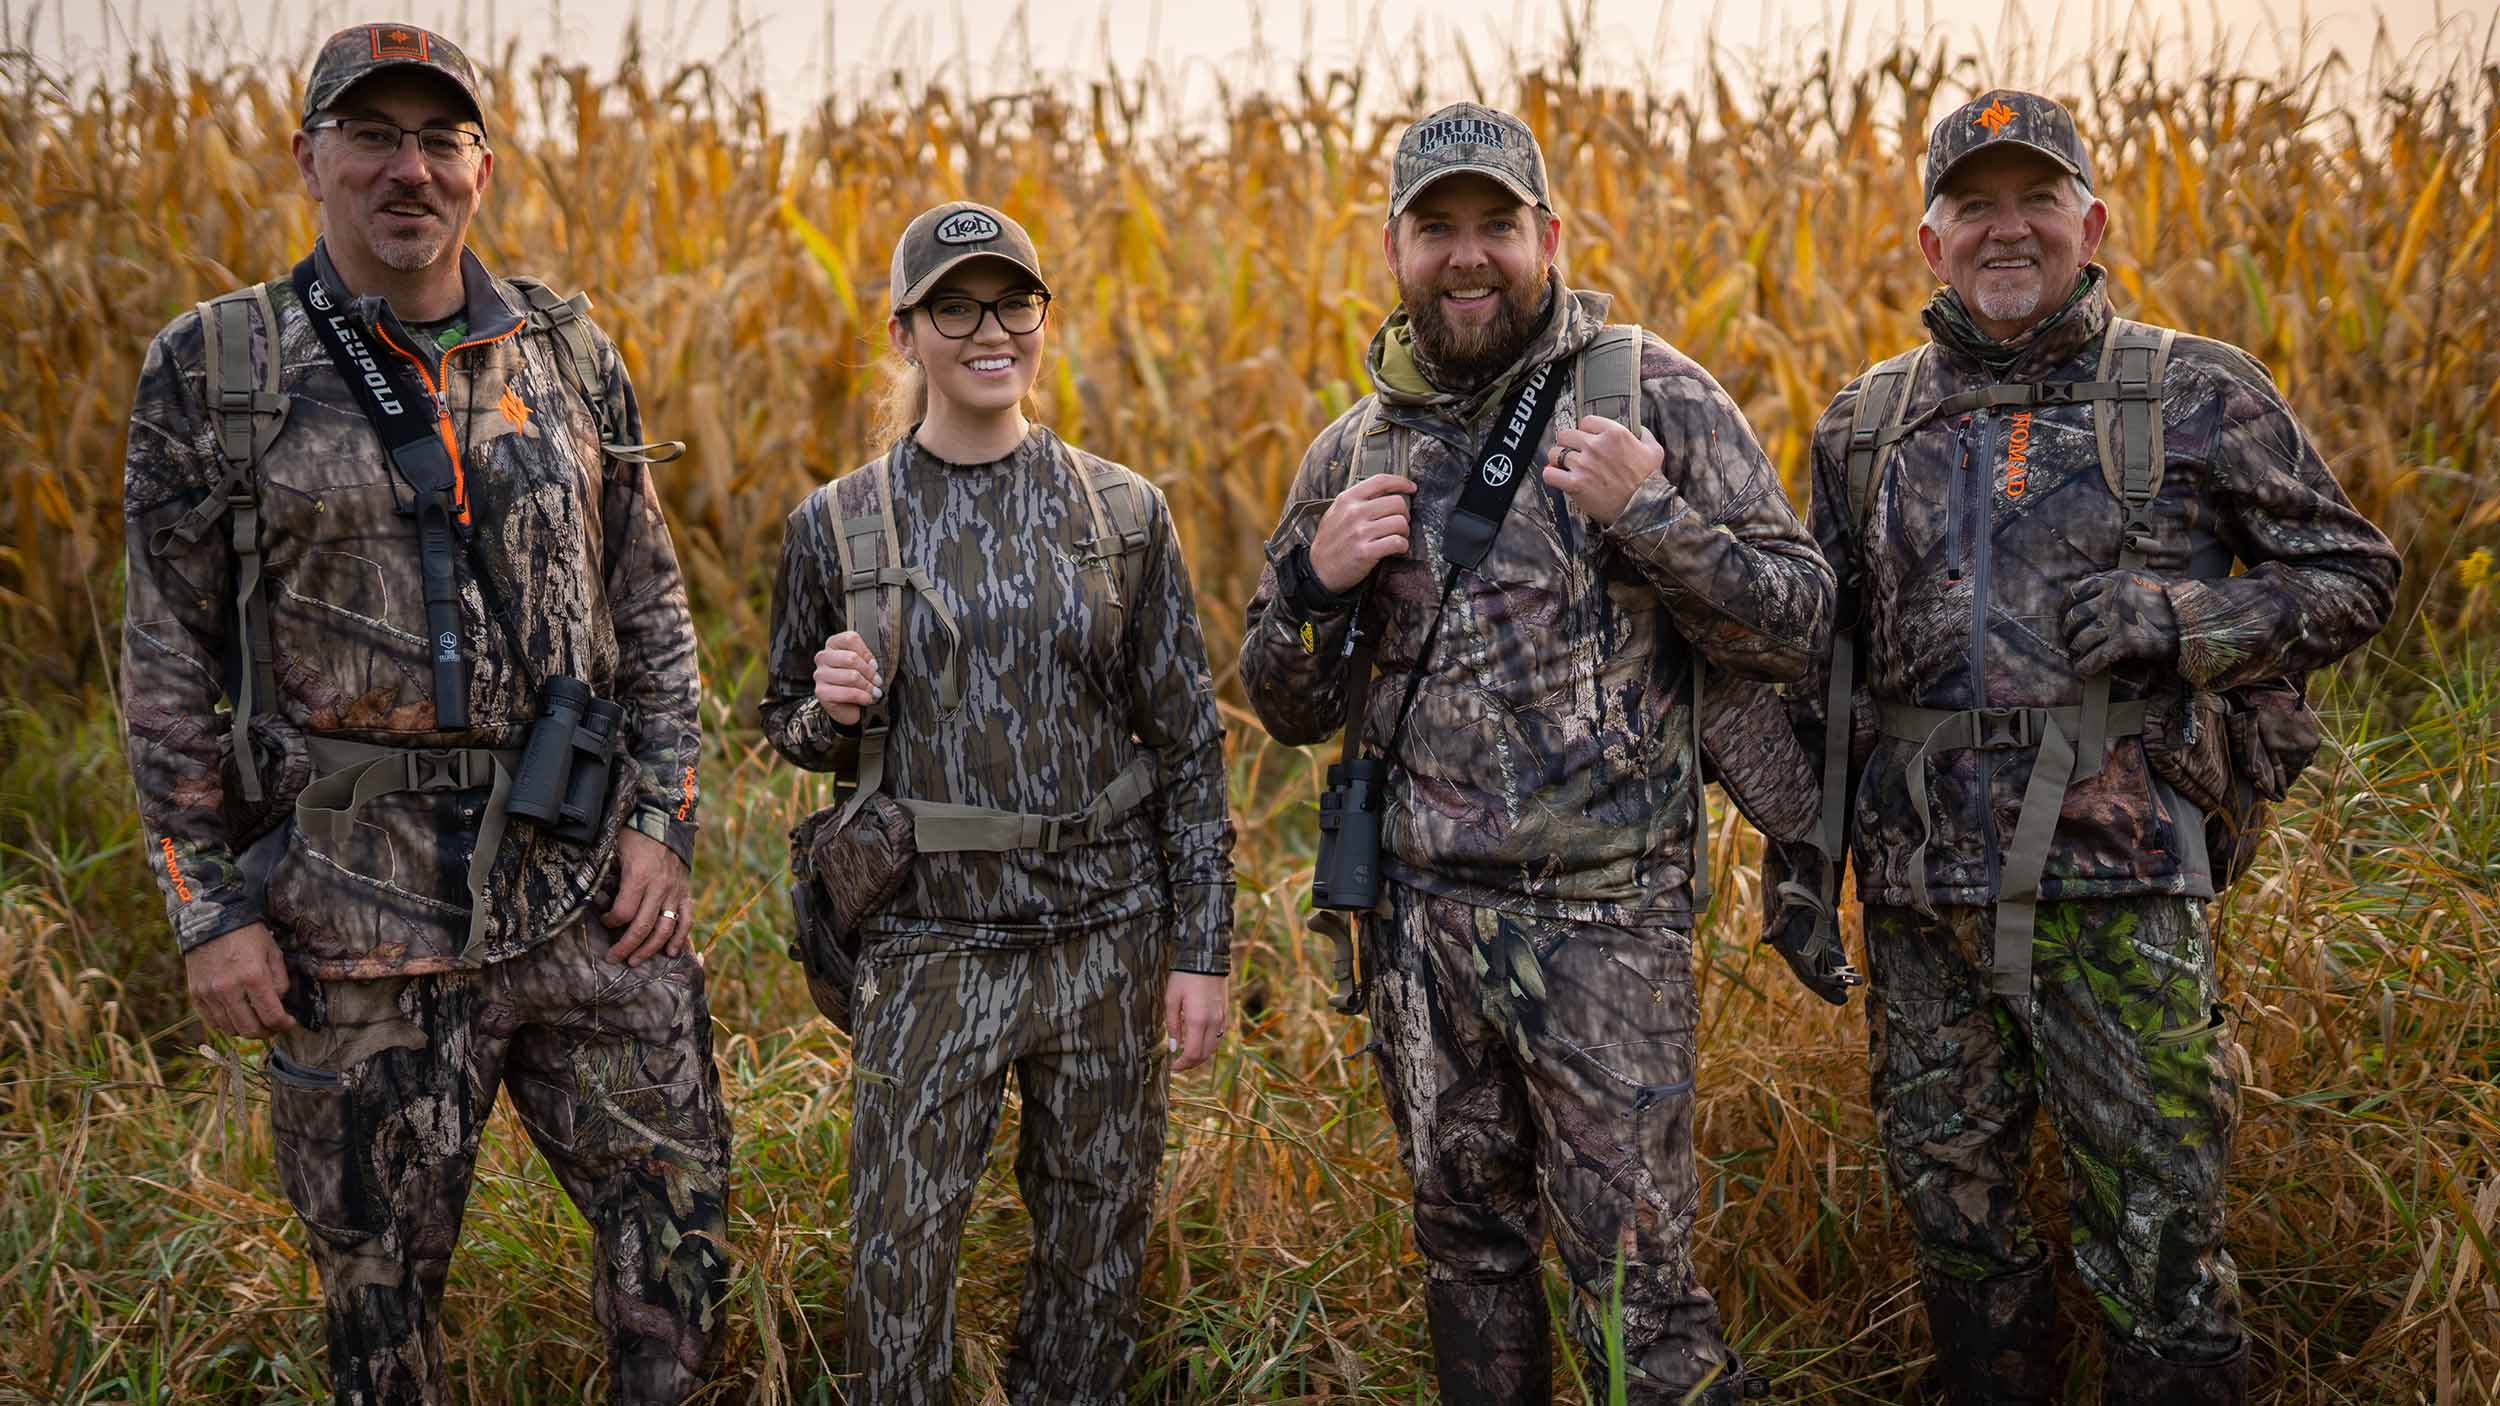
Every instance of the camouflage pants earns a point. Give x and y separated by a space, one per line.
377 1107
1079 1021
1540 1074
2123 1042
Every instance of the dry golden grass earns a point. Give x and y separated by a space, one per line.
1218 285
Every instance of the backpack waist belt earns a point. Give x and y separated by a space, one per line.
346 776
2053 731
937 826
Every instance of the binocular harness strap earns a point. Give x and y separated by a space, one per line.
347 776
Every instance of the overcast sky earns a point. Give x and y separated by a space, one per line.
805 50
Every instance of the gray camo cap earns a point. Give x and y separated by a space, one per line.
360 51
951 234
1468 137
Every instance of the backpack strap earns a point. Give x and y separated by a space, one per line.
568 320
246 411
1606 382
1115 498
1879 421
2127 430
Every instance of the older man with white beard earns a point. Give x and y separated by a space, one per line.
2049 715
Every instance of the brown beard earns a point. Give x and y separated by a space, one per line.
1467 357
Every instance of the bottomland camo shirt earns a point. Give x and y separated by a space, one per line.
1071 666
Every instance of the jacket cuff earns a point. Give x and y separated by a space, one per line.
664 826
1202 939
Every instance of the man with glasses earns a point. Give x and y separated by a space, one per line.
411 694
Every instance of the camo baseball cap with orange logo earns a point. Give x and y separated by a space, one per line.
2005 117
358 52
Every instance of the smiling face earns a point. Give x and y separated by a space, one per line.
402 212
2010 232
1471 262
987 372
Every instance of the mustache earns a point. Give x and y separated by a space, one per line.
2028 249
410 195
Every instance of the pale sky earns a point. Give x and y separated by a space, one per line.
803 50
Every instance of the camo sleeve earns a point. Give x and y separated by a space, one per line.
1172 711
807 611
2321 578
658 678
1713 533
1293 665
175 606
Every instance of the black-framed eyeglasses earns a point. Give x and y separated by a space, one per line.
958 315
373 137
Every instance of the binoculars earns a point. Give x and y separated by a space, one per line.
1347 876
563 781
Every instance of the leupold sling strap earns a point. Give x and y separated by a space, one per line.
413 430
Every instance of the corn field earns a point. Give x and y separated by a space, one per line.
1217 283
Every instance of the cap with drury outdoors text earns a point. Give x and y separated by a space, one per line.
940 239
2000 117
358 52
1468 137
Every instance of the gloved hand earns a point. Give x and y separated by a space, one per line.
2120 616
1805 935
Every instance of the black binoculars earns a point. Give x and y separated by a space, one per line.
1347 876
563 781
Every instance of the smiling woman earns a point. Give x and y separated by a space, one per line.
991 636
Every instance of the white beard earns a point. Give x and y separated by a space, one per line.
2007 304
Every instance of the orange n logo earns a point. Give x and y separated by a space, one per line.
1994 117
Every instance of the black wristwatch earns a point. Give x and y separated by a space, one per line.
1301 587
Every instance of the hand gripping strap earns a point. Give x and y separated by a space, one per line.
2134 358
569 320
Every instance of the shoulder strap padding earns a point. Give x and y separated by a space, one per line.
2127 427
568 320
1883 404
246 412
1607 375
1116 500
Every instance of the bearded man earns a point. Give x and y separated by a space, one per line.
1529 966
2050 756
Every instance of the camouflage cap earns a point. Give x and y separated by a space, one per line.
1468 137
358 52
951 234
1999 117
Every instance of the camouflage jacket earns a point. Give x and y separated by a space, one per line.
2240 480
579 551
1547 766
1062 689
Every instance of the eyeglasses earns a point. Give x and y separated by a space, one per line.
371 137
957 316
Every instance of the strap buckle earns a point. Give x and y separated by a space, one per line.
436 769
2006 729
1047 838
2053 393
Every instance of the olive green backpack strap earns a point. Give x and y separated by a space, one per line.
2127 430
1115 499
246 411
568 320
1875 425
867 550
1606 382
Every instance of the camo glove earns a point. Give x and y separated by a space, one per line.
2120 616
1802 928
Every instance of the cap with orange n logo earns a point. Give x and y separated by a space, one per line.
2001 117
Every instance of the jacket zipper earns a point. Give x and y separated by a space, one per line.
1982 536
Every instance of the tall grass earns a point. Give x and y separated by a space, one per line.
1218 282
